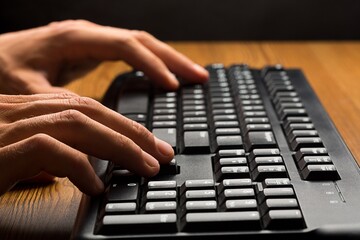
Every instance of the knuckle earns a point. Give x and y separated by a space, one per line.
141 131
64 95
143 35
127 144
39 142
127 40
64 29
71 117
82 102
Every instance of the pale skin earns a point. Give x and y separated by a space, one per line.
48 131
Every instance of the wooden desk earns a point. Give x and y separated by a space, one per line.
333 69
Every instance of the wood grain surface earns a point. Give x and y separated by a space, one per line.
332 68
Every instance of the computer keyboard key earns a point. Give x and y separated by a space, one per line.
232 172
123 191
263 152
269 171
309 152
251 102
140 118
195 120
258 161
195 126
221 100
320 172
313 160
276 182
239 205
302 133
166 134
257 127
283 192
236 193
198 183
289 120
292 112
234 183
249 114
169 169
192 90
199 194
306 142
194 108
196 96
118 208
230 161
227 131
138 223
193 102
256 120
231 141
194 113
253 108
164 111
133 103
196 142
165 105
164 117
221 221
230 153
278 204
220 94
169 206
260 140
283 219
226 124
200 206
161 195
161 185
164 124
164 99
229 117
223 111
298 126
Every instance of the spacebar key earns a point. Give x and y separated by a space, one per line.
221 221
144 223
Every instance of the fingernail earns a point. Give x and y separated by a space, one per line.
152 163
99 185
164 148
150 160
174 81
200 70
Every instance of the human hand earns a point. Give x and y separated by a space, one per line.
52 133
31 60
37 131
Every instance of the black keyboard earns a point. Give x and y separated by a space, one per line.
256 156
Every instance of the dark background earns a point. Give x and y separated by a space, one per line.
198 19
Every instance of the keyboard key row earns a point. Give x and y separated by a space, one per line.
310 154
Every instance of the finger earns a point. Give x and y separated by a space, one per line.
162 151
42 177
86 135
174 60
40 152
27 81
11 99
81 41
